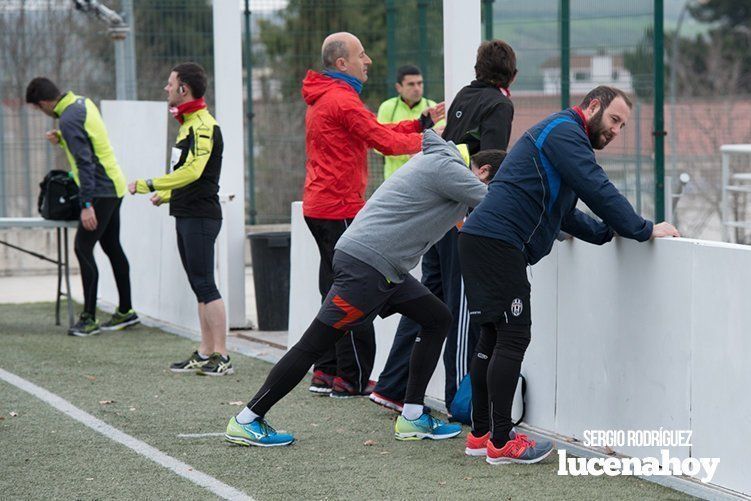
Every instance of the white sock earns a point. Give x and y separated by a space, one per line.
203 357
246 416
412 411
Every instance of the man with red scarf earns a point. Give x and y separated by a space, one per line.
339 129
192 192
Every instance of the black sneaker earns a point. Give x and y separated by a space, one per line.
86 326
321 383
344 389
120 321
217 366
192 364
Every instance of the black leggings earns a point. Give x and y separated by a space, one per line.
428 311
352 357
495 370
195 241
107 233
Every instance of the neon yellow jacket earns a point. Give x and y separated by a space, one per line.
395 110
193 185
84 139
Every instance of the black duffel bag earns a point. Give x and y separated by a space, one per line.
58 198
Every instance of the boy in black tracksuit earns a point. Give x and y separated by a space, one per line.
480 116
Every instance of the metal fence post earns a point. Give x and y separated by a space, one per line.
249 115
659 110
129 53
637 121
2 162
390 42
565 27
488 24
422 22
26 141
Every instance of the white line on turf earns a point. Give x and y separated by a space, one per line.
184 470
199 435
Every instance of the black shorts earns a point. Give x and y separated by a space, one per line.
195 241
360 292
495 280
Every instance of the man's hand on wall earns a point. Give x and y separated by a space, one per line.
664 230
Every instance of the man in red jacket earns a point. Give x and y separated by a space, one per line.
339 129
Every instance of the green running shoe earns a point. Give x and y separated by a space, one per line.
192 364
258 432
120 321
86 326
217 366
426 426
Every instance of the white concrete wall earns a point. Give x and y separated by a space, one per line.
228 86
626 336
159 285
461 37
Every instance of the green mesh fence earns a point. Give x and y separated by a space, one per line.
610 44
707 60
287 42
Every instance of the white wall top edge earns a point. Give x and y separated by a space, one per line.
707 243
735 148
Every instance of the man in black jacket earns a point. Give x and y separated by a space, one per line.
480 117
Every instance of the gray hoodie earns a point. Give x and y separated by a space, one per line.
413 209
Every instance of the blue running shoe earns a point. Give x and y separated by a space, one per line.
426 426
257 432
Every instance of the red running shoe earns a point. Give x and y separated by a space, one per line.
322 383
519 449
344 389
476 446
394 405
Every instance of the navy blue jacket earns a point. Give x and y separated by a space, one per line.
534 193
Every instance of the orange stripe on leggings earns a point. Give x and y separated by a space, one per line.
352 313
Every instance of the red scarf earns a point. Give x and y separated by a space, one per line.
578 110
504 91
185 108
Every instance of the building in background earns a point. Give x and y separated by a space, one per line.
587 71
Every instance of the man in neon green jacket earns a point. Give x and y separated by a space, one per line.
192 191
101 183
407 105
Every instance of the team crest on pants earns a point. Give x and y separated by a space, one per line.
516 307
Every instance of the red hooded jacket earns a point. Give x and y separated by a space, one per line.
339 129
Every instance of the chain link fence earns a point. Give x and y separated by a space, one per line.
707 81
51 38
604 40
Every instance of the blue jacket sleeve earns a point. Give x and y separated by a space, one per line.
568 150
73 131
580 225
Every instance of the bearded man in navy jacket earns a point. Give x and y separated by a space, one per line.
533 197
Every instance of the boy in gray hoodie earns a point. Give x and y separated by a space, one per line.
410 211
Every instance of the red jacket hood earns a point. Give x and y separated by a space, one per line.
315 85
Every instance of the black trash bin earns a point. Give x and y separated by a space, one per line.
270 255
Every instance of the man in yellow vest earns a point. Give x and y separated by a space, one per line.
83 137
407 105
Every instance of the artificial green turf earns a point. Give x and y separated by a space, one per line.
329 461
